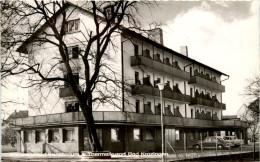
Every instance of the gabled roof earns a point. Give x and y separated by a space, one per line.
23 49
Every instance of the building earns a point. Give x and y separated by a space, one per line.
192 99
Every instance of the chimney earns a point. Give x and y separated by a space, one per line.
156 35
184 50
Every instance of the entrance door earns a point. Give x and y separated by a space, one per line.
87 146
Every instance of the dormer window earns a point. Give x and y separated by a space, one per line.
72 26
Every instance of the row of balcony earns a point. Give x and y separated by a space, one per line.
160 66
122 117
174 69
166 93
168 112
177 96
154 91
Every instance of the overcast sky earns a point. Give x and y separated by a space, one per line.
223 35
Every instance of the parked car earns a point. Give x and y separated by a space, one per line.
234 139
212 142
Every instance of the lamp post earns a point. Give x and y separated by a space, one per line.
161 87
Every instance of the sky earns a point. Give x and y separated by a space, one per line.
222 34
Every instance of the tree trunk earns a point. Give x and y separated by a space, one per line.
254 145
90 125
92 133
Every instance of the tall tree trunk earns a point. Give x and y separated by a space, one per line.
254 145
92 133
90 124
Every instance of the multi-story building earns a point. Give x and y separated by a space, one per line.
192 100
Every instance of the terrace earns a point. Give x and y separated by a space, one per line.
121 118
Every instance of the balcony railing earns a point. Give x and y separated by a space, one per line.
206 83
66 92
159 66
125 117
152 91
208 103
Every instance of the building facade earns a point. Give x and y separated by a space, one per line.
192 100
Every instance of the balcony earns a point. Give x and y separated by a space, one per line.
159 66
66 92
206 83
206 102
121 117
152 91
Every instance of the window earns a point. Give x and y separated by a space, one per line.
137 134
191 92
208 139
149 134
75 77
177 134
54 135
109 11
68 134
191 113
27 136
148 78
137 78
72 26
40 135
75 52
72 106
149 104
137 106
115 135
136 49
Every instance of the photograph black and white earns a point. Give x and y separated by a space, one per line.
129 80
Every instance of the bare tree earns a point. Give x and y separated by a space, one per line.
251 113
51 27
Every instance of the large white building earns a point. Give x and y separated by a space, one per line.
192 97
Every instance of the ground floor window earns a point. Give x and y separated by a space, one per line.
68 134
149 134
27 136
137 133
54 135
40 135
115 135
177 134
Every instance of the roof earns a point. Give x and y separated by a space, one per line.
19 114
131 32
23 49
